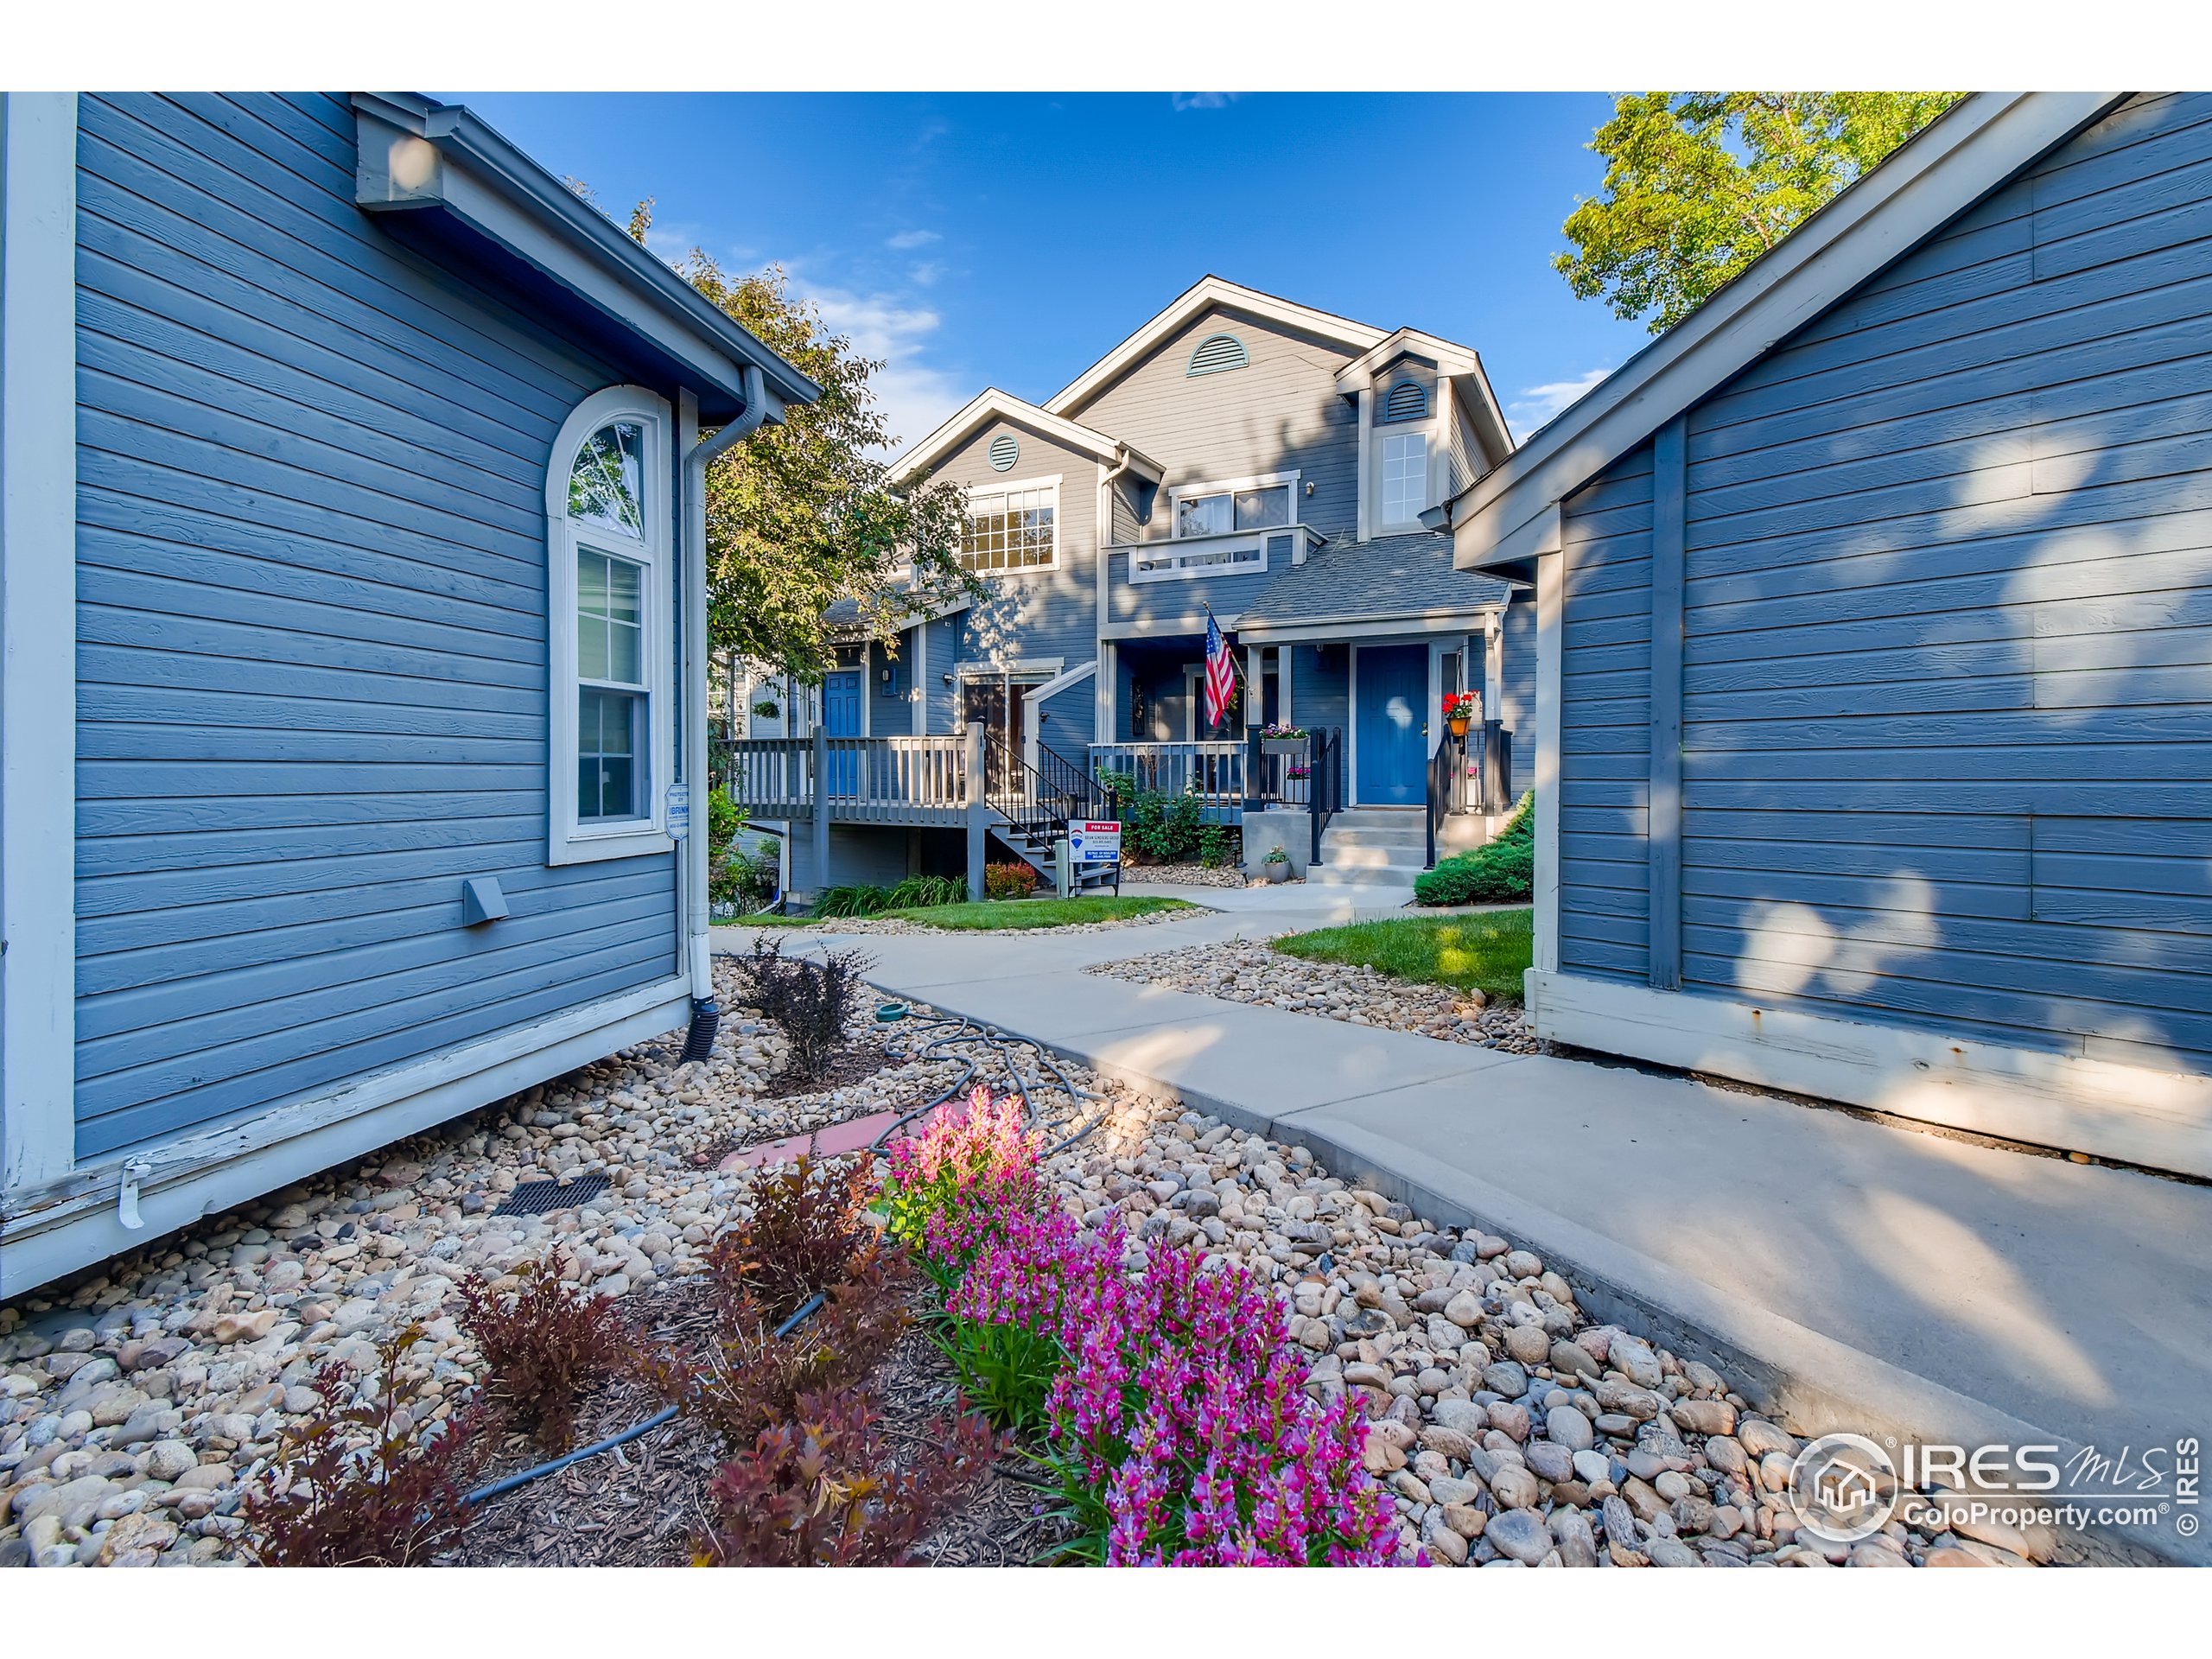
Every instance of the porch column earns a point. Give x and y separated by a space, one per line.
1283 655
978 811
1109 691
1254 694
821 824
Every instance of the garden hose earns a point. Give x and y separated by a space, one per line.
501 1488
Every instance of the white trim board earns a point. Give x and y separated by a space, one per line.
1209 292
47 1234
38 635
2162 1120
990 404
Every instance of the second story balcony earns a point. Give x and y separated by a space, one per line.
1172 579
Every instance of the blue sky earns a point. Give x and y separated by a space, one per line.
1011 240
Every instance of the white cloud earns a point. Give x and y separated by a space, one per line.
906 239
1201 100
917 395
1537 404
924 274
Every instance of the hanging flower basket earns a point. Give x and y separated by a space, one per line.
1459 710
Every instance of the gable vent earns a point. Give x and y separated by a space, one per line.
1406 401
1006 449
1218 353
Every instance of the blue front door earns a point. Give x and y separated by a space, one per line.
1391 725
841 717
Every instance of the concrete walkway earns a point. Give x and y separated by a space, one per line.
1863 1276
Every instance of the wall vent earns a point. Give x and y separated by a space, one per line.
1006 449
1217 353
1408 401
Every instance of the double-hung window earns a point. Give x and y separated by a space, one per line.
610 589
1013 527
1404 478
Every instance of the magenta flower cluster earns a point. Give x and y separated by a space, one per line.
1177 1416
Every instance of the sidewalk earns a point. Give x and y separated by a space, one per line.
1862 1276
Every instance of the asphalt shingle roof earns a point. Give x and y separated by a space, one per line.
1392 575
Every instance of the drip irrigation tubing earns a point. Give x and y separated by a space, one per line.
501 1488
958 1030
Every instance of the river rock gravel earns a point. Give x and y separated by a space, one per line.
1254 971
1511 1429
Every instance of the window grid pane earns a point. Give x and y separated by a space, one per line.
610 618
1011 531
1405 479
607 774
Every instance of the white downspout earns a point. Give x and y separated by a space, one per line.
692 868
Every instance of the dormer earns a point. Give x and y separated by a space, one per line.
1428 427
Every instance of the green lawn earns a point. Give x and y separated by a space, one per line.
1485 952
995 914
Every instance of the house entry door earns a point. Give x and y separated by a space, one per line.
998 705
1390 691
841 717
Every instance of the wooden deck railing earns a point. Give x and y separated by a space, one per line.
866 780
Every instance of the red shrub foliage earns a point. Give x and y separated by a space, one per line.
824 1490
373 1484
1008 881
544 1344
807 1228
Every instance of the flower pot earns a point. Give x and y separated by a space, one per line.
1282 745
1276 870
1459 727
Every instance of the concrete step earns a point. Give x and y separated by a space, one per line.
1368 855
1377 817
1367 878
1396 835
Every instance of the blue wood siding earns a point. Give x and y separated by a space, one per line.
1517 646
1947 671
1605 711
311 576
1320 686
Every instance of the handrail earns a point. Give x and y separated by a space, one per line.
1325 782
1443 763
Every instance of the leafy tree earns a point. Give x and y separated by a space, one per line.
1698 185
803 514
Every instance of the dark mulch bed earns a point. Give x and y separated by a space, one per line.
643 1503
857 1061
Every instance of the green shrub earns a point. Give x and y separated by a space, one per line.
1214 849
1008 881
1158 829
725 817
1503 872
926 892
858 899
744 880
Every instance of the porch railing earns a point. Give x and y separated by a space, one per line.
865 780
1213 770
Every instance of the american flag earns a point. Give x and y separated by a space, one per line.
1220 674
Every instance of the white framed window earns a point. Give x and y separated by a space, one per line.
1233 506
1012 526
609 629
1404 478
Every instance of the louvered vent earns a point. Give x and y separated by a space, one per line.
1406 401
1006 449
1218 353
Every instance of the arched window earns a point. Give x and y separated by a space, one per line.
610 642
1408 401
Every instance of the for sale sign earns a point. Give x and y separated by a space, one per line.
1095 844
